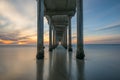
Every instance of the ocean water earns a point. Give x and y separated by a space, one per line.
102 62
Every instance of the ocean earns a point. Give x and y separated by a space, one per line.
102 62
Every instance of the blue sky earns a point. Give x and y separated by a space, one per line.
18 22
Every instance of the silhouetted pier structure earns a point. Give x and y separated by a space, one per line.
59 14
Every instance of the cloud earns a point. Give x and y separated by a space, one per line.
111 26
4 21
18 21
103 39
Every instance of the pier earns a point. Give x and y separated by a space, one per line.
59 14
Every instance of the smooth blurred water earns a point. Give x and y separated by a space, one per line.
102 62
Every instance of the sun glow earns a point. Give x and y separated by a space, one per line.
21 43
6 41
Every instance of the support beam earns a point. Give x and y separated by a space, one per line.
69 25
60 12
50 34
80 50
40 29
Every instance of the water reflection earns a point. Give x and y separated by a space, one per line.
80 70
40 66
60 65
19 63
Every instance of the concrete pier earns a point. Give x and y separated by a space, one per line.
59 15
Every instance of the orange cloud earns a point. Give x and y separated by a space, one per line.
102 39
87 39
97 39
21 43
6 41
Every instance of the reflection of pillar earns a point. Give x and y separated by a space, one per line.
69 63
40 71
40 29
80 70
80 51
70 46
50 34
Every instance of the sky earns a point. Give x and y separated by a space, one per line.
18 22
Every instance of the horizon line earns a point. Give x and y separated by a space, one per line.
48 44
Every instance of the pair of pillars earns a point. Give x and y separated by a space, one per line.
40 29
64 38
52 40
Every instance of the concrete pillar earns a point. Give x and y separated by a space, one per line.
57 40
40 29
50 34
80 51
54 40
69 30
65 38
62 40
